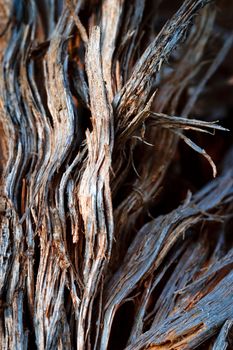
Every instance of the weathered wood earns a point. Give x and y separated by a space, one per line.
106 241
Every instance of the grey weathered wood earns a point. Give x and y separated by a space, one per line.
94 99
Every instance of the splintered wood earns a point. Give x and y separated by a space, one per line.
116 187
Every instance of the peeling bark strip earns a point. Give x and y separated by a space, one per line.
94 192
113 234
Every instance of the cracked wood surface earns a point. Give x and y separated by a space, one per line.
107 239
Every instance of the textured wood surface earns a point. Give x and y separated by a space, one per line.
115 200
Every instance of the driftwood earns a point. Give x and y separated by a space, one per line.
115 232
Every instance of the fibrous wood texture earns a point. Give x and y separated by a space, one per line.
115 200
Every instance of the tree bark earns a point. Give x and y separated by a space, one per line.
115 202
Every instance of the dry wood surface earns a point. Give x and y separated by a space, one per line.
116 174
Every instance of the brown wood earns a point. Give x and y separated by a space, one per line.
115 233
